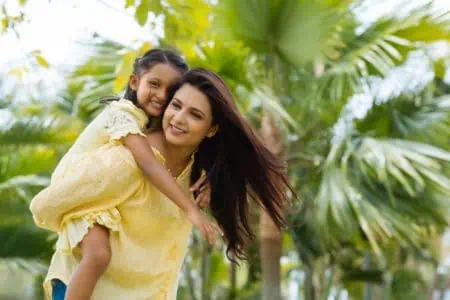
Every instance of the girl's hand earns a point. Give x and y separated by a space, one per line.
204 192
207 228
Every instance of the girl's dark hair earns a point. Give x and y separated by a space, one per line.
147 61
238 165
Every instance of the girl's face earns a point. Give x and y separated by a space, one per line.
151 87
188 118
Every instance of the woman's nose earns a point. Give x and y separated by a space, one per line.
178 117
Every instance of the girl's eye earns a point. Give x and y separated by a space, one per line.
154 84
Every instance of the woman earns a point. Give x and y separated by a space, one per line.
202 131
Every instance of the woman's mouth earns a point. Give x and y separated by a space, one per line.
176 130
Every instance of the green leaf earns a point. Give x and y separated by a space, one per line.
42 61
36 131
129 3
142 12
266 97
155 6
440 68
5 24
25 241
123 72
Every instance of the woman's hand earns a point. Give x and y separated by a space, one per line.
208 229
204 192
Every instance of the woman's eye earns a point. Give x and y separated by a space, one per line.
176 105
197 116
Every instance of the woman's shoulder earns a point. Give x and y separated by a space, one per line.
155 138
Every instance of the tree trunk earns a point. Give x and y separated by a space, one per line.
308 284
271 250
368 287
270 235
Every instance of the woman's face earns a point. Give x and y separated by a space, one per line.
188 118
151 87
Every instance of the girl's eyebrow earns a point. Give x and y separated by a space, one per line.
192 108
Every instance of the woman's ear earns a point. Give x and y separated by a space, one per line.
133 82
212 131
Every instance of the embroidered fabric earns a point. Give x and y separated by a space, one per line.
121 123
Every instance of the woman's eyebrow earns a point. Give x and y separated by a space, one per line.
192 108
198 110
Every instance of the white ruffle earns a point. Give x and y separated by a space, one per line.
75 230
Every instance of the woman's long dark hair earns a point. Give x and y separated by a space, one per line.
238 165
147 61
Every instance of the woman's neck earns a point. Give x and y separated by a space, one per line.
176 157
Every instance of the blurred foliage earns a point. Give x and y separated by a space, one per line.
374 187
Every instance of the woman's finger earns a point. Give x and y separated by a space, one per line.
199 182
204 188
202 201
218 229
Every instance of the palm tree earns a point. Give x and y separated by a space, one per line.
367 184
31 140
315 82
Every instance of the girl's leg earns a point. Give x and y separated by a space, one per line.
96 255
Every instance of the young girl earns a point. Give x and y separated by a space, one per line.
94 173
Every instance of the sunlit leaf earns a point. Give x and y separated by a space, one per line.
124 69
5 24
142 12
129 3
42 61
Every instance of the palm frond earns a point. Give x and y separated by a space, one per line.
26 241
92 80
293 30
384 189
384 45
412 118
36 131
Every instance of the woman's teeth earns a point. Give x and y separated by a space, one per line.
176 129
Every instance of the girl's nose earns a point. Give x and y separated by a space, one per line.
161 94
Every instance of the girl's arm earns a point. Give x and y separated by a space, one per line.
164 182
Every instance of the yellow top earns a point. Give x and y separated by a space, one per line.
98 181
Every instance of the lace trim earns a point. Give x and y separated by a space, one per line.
121 124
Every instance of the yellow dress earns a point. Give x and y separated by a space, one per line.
98 181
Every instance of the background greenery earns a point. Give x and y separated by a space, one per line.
360 111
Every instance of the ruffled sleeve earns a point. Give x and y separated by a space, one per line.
125 118
75 230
